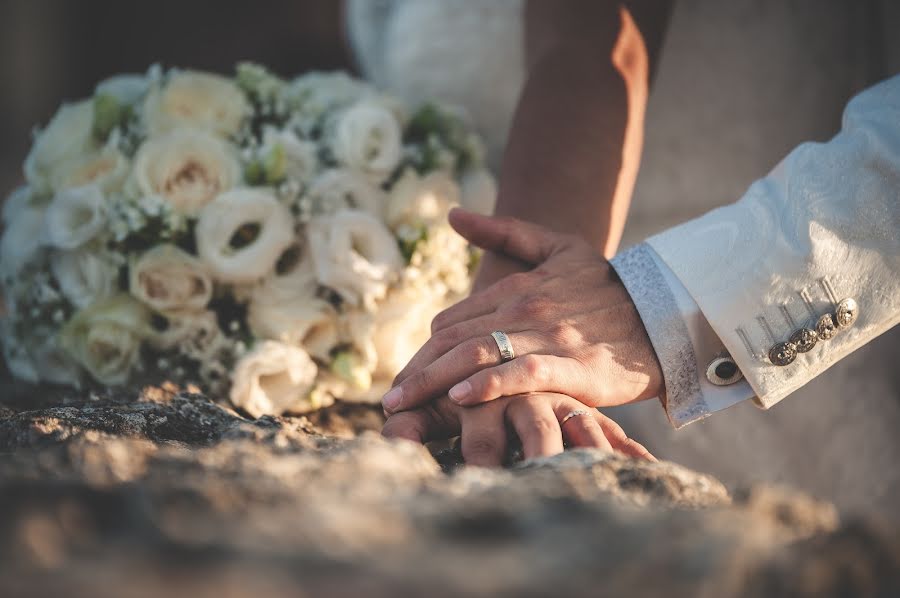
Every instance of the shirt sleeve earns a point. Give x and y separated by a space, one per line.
700 377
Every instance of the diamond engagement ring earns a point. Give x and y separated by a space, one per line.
506 349
572 414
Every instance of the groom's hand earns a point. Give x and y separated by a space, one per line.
572 324
539 420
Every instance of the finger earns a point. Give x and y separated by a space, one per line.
620 441
484 435
457 364
525 373
536 425
508 236
437 420
581 430
447 340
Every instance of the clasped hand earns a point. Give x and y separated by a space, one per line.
575 331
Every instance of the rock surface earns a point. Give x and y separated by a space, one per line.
168 493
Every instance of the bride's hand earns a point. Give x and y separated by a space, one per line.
538 419
572 324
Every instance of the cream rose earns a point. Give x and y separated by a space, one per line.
105 338
274 378
339 189
367 138
254 212
107 168
416 202
75 216
285 307
167 278
188 168
84 277
67 136
197 100
355 255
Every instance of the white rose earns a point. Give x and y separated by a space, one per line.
126 89
222 220
107 168
367 138
167 278
52 363
195 334
198 100
84 277
273 378
286 155
285 307
479 191
68 135
22 239
75 216
355 255
15 354
319 92
187 167
340 189
105 338
18 200
419 202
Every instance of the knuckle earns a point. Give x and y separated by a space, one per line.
445 338
492 384
539 426
563 333
483 351
535 368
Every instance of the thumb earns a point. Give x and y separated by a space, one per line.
508 236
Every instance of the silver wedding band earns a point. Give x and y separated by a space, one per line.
506 349
572 414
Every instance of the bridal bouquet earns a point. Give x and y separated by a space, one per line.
285 241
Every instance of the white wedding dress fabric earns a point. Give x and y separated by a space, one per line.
739 85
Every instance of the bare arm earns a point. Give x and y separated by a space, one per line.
575 145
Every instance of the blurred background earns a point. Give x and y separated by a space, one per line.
55 50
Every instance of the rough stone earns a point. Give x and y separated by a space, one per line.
168 493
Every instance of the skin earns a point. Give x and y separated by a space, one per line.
579 183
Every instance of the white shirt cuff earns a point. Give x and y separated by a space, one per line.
682 338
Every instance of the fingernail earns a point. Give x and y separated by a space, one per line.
392 399
460 392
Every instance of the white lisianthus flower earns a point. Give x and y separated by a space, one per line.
273 378
67 136
479 191
15 354
286 155
21 240
168 278
416 202
285 307
187 167
255 212
75 216
367 138
340 189
402 325
18 200
355 255
318 92
105 338
107 168
84 277
196 100
52 363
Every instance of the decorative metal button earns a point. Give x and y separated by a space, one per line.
723 371
804 340
783 354
847 312
826 328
